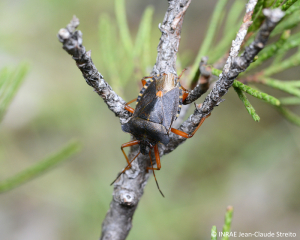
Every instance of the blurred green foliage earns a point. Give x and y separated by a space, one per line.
126 60
232 23
214 23
114 57
41 167
278 50
226 226
247 104
10 82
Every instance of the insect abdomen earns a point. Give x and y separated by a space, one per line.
144 89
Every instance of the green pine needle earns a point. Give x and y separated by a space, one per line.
219 8
278 57
294 83
213 233
278 3
258 16
110 51
289 101
288 22
286 64
227 224
288 4
143 31
270 50
40 167
4 75
247 104
123 62
291 42
286 86
268 3
10 82
292 117
142 42
257 9
231 26
120 12
292 9
234 15
215 71
255 93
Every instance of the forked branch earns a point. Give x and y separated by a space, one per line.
128 189
233 67
72 43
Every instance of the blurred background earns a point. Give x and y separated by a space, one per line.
232 160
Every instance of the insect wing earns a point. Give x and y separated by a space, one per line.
148 96
153 112
170 102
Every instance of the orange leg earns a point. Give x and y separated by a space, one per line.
133 100
185 135
185 91
185 94
129 144
128 108
181 73
157 159
126 168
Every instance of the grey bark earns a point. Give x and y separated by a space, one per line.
233 67
170 37
72 43
203 83
128 189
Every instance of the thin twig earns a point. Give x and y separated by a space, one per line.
72 43
232 68
203 83
170 37
197 90
209 36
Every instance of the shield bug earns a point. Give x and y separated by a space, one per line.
157 107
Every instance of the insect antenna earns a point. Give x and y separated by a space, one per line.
155 176
126 168
181 73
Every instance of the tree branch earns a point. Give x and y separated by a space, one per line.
233 67
72 43
128 189
203 83
170 37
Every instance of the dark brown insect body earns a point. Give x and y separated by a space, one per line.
158 105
